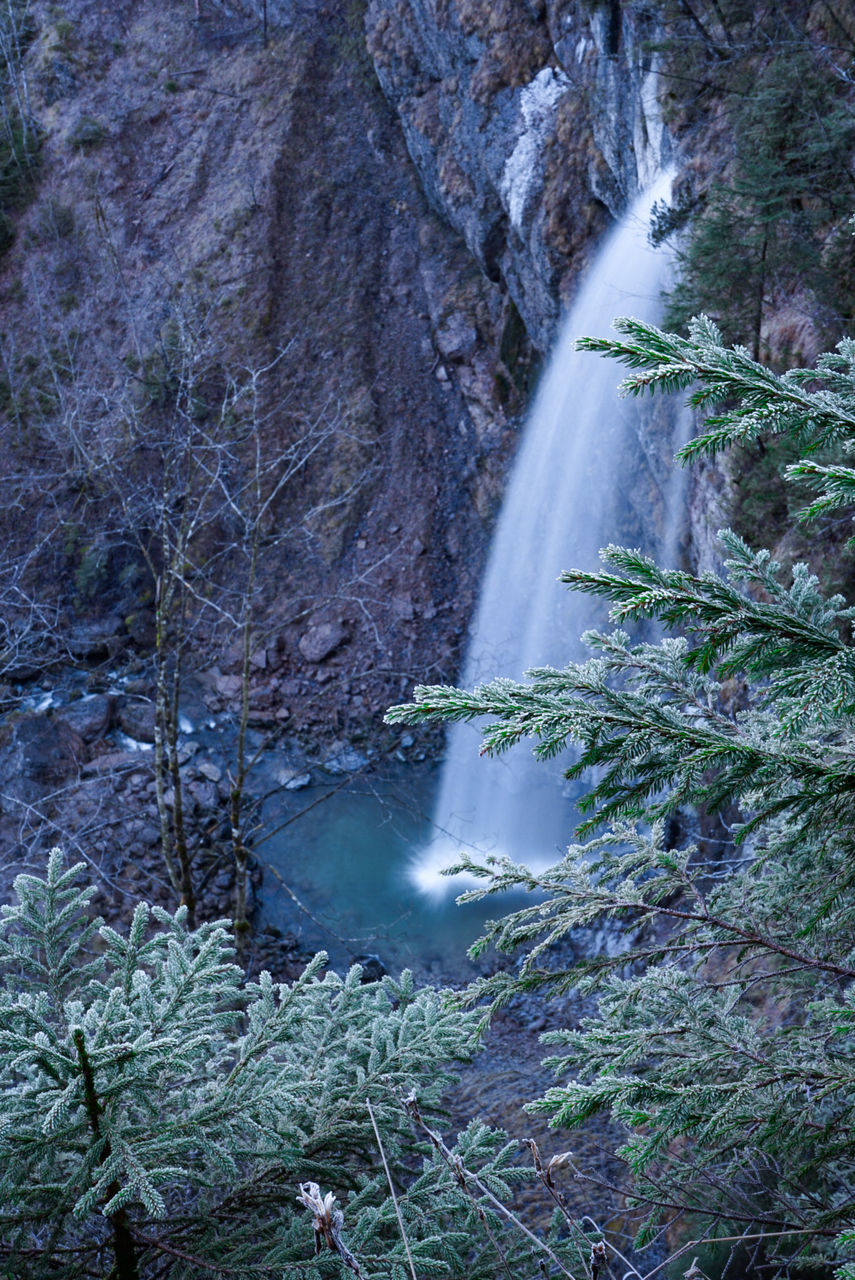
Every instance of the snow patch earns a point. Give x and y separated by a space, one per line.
649 132
537 109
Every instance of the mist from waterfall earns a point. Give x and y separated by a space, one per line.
591 468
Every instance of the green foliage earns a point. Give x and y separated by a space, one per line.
761 234
765 227
722 1041
65 34
160 1114
7 233
86 134
20 141
91 576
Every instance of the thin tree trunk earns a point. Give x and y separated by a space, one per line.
160 701
706 36
761 288
179 830
240 850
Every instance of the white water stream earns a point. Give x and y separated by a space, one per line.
591 469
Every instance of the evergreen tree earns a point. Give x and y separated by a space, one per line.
771 227
160 1117
766 205
723 1040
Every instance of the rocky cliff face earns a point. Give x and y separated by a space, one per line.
530 124
411 260
187 168
408 251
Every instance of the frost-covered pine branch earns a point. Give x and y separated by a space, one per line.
722 1038
159 1115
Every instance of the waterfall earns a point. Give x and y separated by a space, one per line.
591 469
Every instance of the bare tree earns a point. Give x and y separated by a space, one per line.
200 473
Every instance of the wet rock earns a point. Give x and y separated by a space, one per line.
90 717
373 968
228 686
136 719
205 795
345 760
524 121
209 770
42 753
297 781
322 640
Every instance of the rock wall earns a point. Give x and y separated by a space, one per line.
268 189
530 122
410 249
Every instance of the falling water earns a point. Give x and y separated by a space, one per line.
591 469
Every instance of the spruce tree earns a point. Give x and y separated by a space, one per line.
722 1040
773 226
161 1117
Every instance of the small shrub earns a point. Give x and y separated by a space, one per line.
55 220
87 133
7 233
64 33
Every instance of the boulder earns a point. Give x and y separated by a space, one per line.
373 968
293 781
136 719
321 640
209 770
228 686
345 760
100 639
41 754
91 716
111 762
205 795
